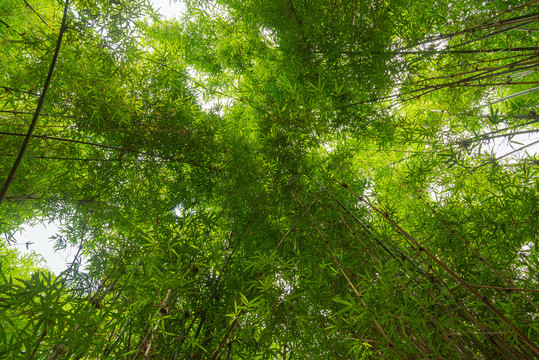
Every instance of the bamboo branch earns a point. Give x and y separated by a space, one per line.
35 12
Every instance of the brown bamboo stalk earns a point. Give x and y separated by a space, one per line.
494 337
465 82
164 305
525 22
483 70
483 26
459 347
465 315
508 83
447 51
229 330
214 288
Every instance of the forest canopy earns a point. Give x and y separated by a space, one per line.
279 179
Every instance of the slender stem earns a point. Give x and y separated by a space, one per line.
112 147
533 20
483 260
16 112
505 288
18 160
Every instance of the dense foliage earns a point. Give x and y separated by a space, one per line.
272 179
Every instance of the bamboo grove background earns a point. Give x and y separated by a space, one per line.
272 179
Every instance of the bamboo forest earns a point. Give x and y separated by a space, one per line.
271 179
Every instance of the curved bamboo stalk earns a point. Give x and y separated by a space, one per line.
40 103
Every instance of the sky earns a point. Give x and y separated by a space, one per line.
38 236
169 9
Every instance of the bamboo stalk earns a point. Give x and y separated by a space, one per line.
508 83
27 138
520 93
525 63
35 12
523 338
511 289
487 74
72 127
485 25
412 276
448 51
40 103
459 347
524 23
493 336
31 113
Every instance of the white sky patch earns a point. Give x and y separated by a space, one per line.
37 239
168 8
502 146
268 37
